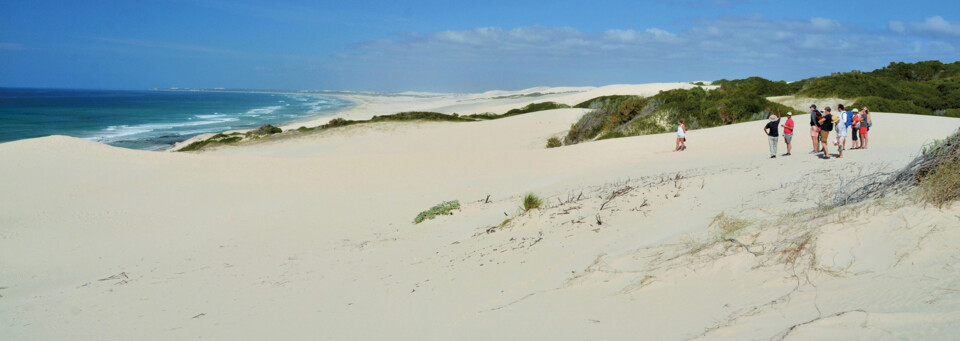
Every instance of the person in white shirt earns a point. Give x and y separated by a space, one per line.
841 129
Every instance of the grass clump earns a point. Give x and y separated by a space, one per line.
728 225
942 184
939 176
554 142
444 208
531 201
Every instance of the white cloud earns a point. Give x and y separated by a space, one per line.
707 46
935 25
939 25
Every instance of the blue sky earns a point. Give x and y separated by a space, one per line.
454 46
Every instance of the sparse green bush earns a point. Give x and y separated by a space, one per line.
213 140
554 142
529 108
444 208
531 201
265 129
303 129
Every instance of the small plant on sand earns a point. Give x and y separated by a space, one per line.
531 201
444 208
554 142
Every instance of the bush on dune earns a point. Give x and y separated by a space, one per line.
926 88
699 108
444 208
554 142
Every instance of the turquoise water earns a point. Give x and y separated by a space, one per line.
150 120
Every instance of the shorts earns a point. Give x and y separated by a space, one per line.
824 136
788 138
863 130
841 132
814 131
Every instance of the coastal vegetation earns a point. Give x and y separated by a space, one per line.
232 138
531 201
621 116
554 142
925 88
444 208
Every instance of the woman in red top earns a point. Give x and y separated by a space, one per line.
865 121
788 131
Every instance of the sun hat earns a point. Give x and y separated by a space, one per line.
790 114
856 110
773 118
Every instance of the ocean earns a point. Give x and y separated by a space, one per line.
150 120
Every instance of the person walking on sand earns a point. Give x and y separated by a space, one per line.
788 131
855 129
681 137
840 127
773 134
865 121
826 125
815 117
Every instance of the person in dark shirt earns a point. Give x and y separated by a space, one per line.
815 128
772 129
826 125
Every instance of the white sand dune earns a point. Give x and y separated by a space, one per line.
312 238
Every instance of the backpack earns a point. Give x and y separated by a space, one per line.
849 118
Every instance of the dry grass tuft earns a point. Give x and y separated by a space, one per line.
941 185
729 225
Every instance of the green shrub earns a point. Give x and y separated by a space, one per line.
444 208
529 108
266 129
890 105
554 142
213 140
303 129
921 88
732 103
531 201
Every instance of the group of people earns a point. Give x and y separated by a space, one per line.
857 122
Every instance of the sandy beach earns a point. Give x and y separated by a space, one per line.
313 237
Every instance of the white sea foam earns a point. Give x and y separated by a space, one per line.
122 132
261 111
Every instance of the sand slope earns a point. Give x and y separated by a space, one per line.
313 238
